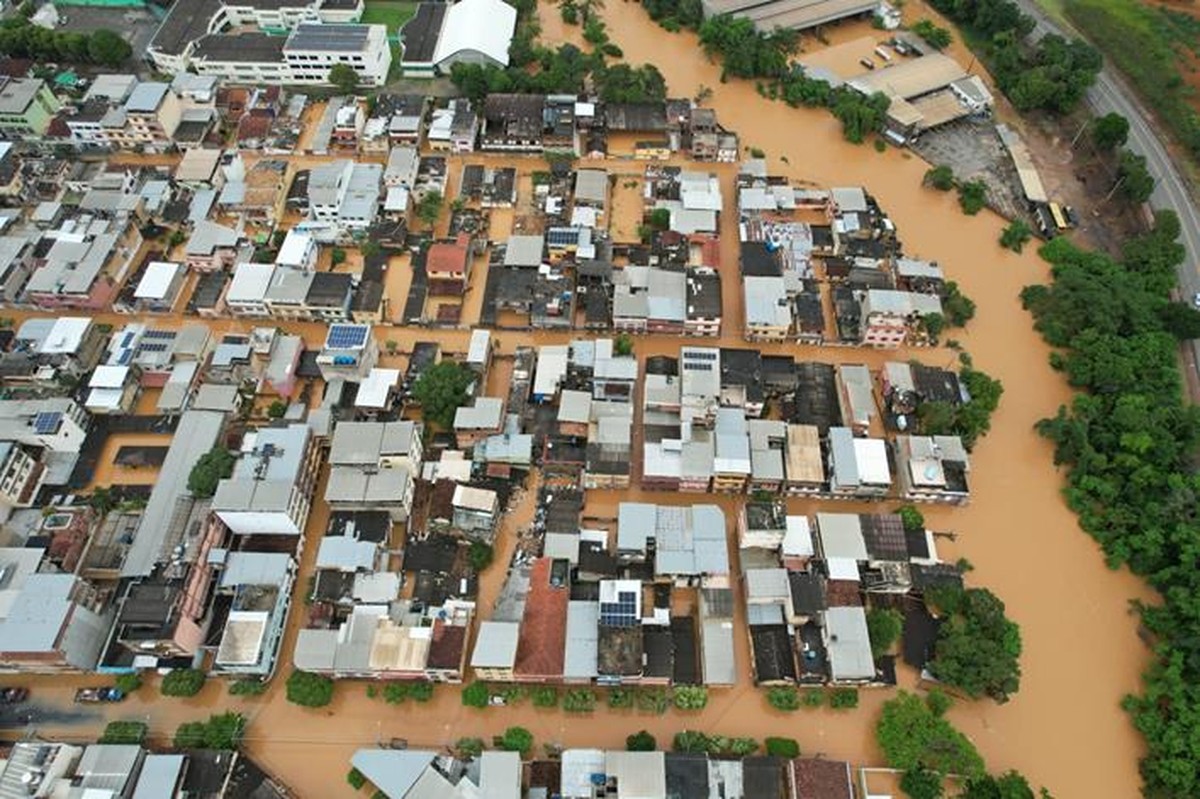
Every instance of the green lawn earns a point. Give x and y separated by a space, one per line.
392 13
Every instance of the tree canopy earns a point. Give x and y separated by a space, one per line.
221 731
183 682
212 467
911 736
1110 131
20 38
307 689
1133 177
977 647
442 389
344 78
884 626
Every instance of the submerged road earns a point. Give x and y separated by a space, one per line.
1110 93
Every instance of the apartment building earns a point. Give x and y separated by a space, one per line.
26 107
270 490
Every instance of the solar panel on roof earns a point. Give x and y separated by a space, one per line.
343 337
126 357
166 334
153 348
46 422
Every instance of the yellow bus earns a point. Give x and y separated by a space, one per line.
1060 219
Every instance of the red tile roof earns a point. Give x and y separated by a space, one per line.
543 627
821 779
447 647
445 258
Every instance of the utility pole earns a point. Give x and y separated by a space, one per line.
1113 190
1082 128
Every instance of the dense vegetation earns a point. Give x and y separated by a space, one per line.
124 732
1051 75
1128 440
977 647
913 734
715 745
1138 38
307 689
884 626
442 389
212 467
221 731
20 38
183 682
542 70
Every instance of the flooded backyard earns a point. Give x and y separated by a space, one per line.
1081 650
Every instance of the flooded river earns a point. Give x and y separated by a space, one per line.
1064 729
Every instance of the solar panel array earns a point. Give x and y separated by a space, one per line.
164 334
622 613
154 348
346 337
46 423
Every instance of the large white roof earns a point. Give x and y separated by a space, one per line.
485 26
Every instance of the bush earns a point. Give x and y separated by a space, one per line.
659 219
623 345
395 692
309 690
843 698
124 732
940 178
469 747
911 517
356 779
1016 236
812 698
957 307
128 683
221 731
690 741
783 747
653 700
210 469
247 687
783 697
516 739
640 742
884 626
972 196
277 409
338 256
936 36
190 735
579 700
544 696
183 682
689 697
740 747
619 698
421 691
476 695
938 702
921 783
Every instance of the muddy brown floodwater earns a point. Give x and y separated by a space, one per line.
1081 652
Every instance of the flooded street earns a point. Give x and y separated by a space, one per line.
1081 651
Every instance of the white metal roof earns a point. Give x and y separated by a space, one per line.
373 391
250 282
484 26
157 280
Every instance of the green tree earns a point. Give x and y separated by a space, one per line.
660 218
653 700
190 735
1016 235
812 698
579 700
183 682
911 736
957 307
344 78
978 648
884 626
1181 321
177 237
936 36
395 693
623 345
307 689
1134 178
337 257
421 691
212 467
911 517
641 741
621 698
356 779
940 177
277 409
108 49
689 697
429 208
690 741
933 324
783 747
441 390
222 731
480 555
972 196
1110 131
516 739
921 783
476 695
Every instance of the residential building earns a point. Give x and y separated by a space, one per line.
767 308
49 622
475 422
804 466
83 261
350 353
26 107
270 490
858 466
448 265
932 469
46 348
211 247
343 199
703 302
495 652
258 588
112 390
892 318
687 544
374 466
454 127
512 122
731 461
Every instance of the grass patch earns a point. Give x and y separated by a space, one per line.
392 13
1141 42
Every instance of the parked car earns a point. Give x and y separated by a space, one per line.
866 62
13 696
102 694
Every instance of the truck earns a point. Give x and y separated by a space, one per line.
102 694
